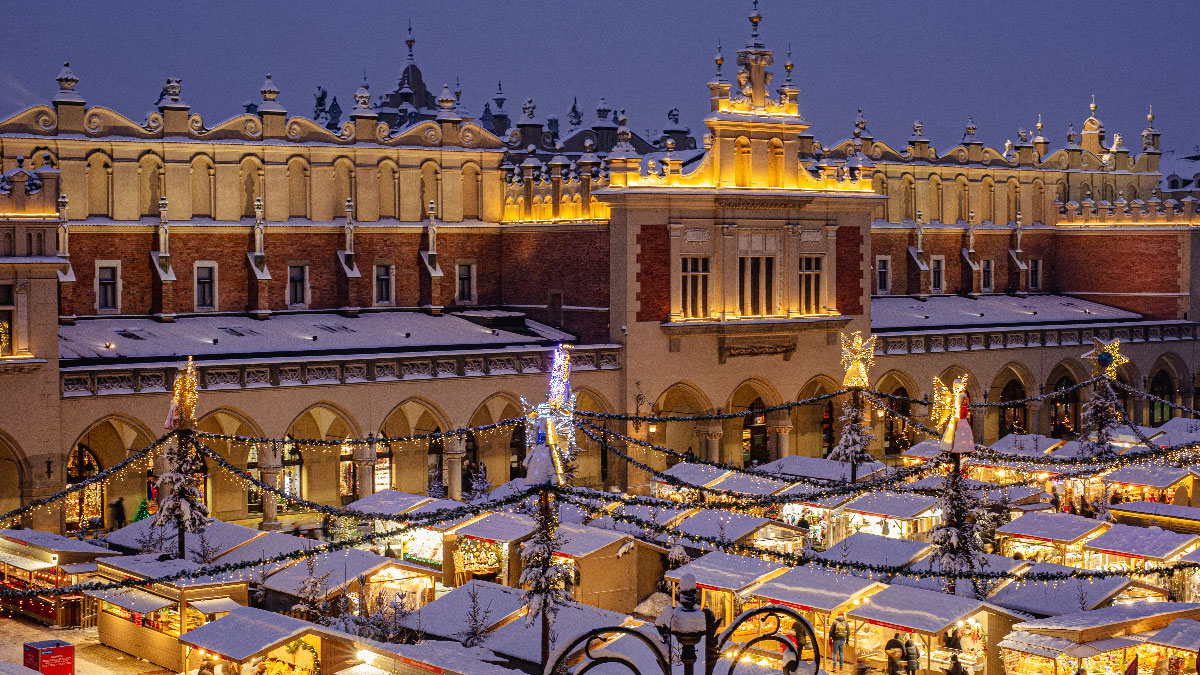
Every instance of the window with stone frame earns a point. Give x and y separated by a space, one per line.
7 311
937 274
383 284
883 274
297 285
756 285
694 287
1035 274
465 283
206 286
987 274
108 285
810 284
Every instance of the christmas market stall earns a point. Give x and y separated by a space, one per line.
520 643
218 537
32 559
388 503
668 518
873 549
820 519
942 625
1174 517
1042 599
924 451
973 588
701 475
257 642
1048 537
740 528
722 578
803 467
748 485
1130 548
490 603
147 622
271 545
489 548
1105 641
892 514
606 566
343 573
1151 483
425 546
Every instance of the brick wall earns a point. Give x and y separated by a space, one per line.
1124 262
133 250
653 273
849 269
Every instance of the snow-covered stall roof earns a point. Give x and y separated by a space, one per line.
696 474
54 542
518 641
132 599
895 313
154 565
269 546
819 468
916 609
1142 542
1026 445
499 527
800 493
440 505
1154 476
726 571
1051 647
808 588
749 484
221 536
1178 431
143 340
1114 621
873 549
343 566
1014 494
389 502
1133 434
664 517
989 563
447 615
430 655
893 504
1152 510
926 449
245 632
1051 526
730 525
1179 634
1058 598
580 540
636 651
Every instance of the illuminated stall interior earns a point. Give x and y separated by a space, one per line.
740 528
1174 517
1038 598
744 485
250 640
1048 537
1152 483
721 579
35 560
425 546
924 451
891 514
485 549
687 472
820 519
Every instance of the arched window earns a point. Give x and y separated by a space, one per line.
741 163
1162 387
84 509
516 453
348 472
1064 414
775 164
896 436
754 435
1012 418
434 456
1174 183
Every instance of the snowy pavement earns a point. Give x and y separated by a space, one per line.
91 657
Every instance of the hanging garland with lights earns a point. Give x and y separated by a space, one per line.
371 439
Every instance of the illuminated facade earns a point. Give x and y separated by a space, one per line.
411 269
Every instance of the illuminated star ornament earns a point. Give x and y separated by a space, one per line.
1106 357
858 355
550 426
182 413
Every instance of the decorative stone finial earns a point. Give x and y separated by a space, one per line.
66 78
446 99
788 65
269 91
410 41
1092 107
917 128
499 98
1150 116
170 93
719 59
755 19
1071 136
362 97
971 129
860 124
1039 125
528 108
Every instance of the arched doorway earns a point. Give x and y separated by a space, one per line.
1163 387
14 475
83 509
748 441
226 496
680 400
499 451
593 463
754 435
418 460
1064 411
814 426
1012 417
322 473
897 436
103 444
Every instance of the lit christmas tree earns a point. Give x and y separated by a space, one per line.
858 355
182 505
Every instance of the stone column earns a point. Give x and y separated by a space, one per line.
454 460
364 465
270 462
1036 422
709 433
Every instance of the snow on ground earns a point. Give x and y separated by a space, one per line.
91 657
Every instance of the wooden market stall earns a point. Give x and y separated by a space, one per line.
967 587
1046 536
894 515
821 519
343 571
1104 641
1042 599
691 473
722 578
257 642
1191 578
425 546
924 451
489 548
147 622
32 559
747 485
873 549
1130 548
740 528
1152 483
1181 640
1174 517
605 565
929 616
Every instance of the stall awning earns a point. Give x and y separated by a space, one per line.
915 609
215 605
132 599
1051 647
22 562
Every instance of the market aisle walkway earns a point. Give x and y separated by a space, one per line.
91 657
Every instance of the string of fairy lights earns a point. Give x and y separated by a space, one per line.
857 359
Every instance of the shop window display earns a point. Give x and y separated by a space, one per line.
83 510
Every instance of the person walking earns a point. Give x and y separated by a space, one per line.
894 648
117 513
912 655
839 630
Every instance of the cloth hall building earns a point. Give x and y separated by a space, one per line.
411 270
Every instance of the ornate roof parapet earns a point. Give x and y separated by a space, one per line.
1122 213
68 104
173 108
274 115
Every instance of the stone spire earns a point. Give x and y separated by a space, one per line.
269 93
66 86
754 58
1150 134
410 42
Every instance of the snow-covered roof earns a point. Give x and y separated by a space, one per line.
730 525
1178 430
894 313
1115 616
801 491
441 505
445 657
819 468
810 588
53 542
1155 476
222 536
518 641
245 632
926 449
1179 634
447 615
636 651
389 502
873 549
696 474
1014 494
1026 445
1051 526
893 504
283 334
665 517
268 546
749 484
917 609
1142 542
580 540
1159 509
1051 647
342 566
132 599
153 565
965 587
499 527
726 571
1061 597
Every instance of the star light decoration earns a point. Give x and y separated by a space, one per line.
552 422
858 355
1106 357
182 413
947 405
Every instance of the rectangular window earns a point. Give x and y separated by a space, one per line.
107 278
757 285
810 284
695 288
206 291
297 285
987 273
6 319
466 283
883 274
383 284
1035 274
936 268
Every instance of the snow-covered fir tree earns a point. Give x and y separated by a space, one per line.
182 507
677 555
480 485
206 550
436 489
311 594
544 579
1100 505
1100 417
852 446
478 619
258 583
956 540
